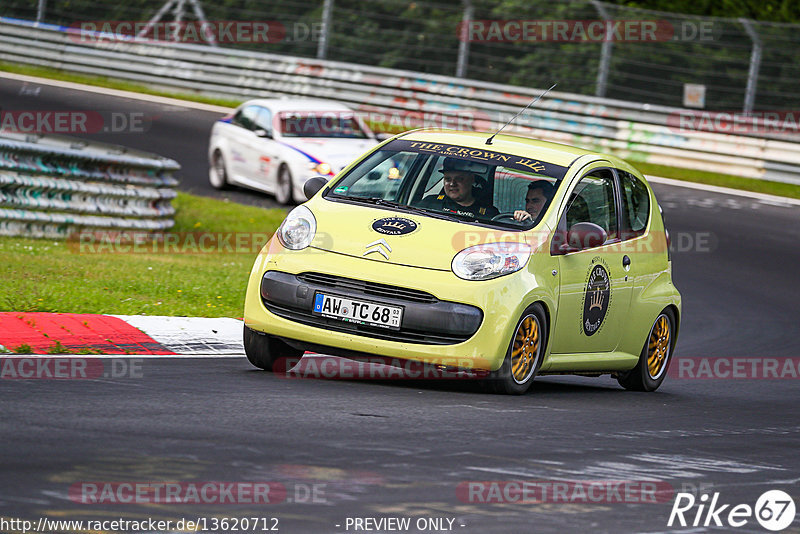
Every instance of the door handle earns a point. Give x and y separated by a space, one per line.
626 261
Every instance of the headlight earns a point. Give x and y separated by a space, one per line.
298 229
321 168
482 262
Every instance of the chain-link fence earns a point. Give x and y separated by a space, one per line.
588 47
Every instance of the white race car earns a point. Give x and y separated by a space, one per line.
276 145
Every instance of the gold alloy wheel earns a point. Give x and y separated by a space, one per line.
525 353
658 347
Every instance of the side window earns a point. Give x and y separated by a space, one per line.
246 117
434 185
263 120
593 201
635 205
384 179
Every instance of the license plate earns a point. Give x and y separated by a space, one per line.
357 311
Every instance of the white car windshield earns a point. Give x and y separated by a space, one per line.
455 182
336 124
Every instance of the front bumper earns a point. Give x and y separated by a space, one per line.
426 319
483 314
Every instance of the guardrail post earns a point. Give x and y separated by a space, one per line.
201 16
605 53
463 45
40 11
327 13
755 64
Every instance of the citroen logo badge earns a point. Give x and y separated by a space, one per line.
378 246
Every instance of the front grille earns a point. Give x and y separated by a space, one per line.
368 288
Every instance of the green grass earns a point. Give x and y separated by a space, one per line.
722 180
678 173
60 276
22 349
58 348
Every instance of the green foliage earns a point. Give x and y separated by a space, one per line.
423 36
767 10
58 348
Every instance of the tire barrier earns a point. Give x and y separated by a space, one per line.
52 187
758 146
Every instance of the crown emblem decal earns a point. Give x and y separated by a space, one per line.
596 300
394 226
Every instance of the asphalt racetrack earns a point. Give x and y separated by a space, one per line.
349 449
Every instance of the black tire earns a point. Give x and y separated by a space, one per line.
519 367
655 357
263 350
217 172
284 186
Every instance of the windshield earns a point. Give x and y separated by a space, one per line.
449 181
341 124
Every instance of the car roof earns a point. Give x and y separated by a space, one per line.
556 153
298 104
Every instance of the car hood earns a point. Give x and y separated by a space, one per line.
338 153
349 229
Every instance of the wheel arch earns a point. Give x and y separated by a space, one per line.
677 315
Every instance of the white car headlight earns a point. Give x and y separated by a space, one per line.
321 168
298 229
483 262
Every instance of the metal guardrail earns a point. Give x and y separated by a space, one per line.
635 131
53 187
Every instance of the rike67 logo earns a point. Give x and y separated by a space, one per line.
774 510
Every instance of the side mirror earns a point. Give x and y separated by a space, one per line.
581 236
263 133
313 185
383 136
584 235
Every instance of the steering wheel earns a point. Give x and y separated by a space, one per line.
509 216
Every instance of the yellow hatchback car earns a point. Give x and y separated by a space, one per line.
509 255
